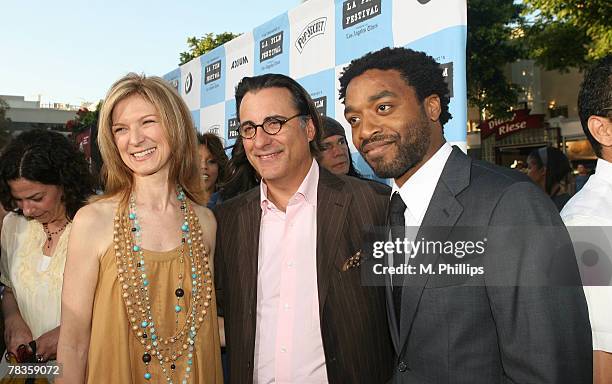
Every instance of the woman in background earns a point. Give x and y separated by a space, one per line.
241 176
213 166
548 167
44 180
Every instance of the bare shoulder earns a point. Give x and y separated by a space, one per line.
96 215
93 225
207 218
208 224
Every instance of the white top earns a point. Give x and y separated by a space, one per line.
418 190
592 206
36 279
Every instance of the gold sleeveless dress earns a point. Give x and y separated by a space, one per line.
115 352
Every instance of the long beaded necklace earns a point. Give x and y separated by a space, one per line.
135 285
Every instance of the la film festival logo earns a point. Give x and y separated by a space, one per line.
188 83
356 11
314 28
447 73
321 105
232 128
271 46
212 72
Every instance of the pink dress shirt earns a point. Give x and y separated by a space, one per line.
288 344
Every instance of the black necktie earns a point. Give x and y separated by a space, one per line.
398 230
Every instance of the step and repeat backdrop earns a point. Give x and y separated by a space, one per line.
313 43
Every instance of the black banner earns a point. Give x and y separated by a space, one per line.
356 11
271 46
212 72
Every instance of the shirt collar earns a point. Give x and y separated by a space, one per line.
604 170
418 190
307 190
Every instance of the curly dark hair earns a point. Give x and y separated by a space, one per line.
418 70
46 157
215 146
594 96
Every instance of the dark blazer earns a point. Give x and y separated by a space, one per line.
510 325
354 327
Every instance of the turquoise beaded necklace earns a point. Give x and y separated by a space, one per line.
136 286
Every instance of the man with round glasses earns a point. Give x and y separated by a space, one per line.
288 253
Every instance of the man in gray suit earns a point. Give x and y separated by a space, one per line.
515 313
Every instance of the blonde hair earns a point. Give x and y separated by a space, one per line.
177 124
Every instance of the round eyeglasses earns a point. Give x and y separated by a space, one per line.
270 125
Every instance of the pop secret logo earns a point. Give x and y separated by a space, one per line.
314 28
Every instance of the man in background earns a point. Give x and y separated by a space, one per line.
581 177
592 206
335 155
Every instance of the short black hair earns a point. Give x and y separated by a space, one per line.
418 70
46 157
301 99
595 94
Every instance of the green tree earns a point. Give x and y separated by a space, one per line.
208 42
492 44
5 122
568 33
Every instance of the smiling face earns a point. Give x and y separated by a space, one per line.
139 136
393 131
38 201
210 168
282 159
334 155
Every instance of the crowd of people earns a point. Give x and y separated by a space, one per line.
266 253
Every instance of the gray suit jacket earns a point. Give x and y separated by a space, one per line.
514 323
354 325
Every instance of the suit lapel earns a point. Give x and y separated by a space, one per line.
248 237
332 209
441 215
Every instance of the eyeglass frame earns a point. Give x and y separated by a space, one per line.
268 119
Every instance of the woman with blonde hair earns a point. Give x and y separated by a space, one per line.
138 302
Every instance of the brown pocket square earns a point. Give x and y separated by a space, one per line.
353 261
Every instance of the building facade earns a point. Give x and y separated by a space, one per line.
26 115
547 114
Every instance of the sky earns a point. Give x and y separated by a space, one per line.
71 51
